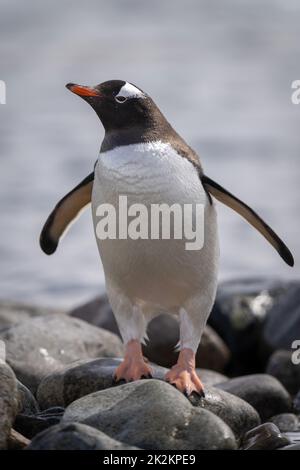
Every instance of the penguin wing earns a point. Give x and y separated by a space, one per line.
254 219
64 213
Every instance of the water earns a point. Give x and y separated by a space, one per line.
221 72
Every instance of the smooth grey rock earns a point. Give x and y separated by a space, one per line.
283 320
280 365
27 403
12 313
211 377
163 333
296 403
81 378
75 436
30 425
237 413
264 437
286 422
239 314
262 391
40 345
151 414
8 402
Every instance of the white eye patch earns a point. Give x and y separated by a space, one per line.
129 91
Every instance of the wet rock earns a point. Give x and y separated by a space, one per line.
237 413
64 386
12 313
40 345
286 422
30 425
291 447
27 403
262 391
163 333
264 437
8 402
75 436
280 365
283 320
151 414
239 316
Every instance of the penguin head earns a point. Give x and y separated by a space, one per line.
120 105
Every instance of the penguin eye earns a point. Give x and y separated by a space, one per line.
120 99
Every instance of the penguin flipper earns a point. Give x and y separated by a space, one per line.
65 211
247 213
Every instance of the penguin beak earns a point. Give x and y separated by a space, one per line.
82 90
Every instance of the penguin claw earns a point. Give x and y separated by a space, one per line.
131 370
186 381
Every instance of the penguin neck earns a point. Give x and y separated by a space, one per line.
153 129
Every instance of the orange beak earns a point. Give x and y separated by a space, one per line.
82 90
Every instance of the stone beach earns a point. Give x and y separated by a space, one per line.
56 388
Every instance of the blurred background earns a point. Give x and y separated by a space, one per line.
221 71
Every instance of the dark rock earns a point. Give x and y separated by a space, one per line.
283 320
296 403
280 365
30 425
163 333
264 437
64 386
262 391
8 402
151 414
75 436
40 345
210 377
12 313
239 317
27 403
237 413
286 422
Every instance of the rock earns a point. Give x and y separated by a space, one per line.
163 333
264 437
16 441
30 425
237 413
151 414
40 345
283 319
8 402
210 377
262 391
27 403
280 365
75 436
81 378
296 403
239 316
286 422
12 313
291 447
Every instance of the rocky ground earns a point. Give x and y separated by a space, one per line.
56 389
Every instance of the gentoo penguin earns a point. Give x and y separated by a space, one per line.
144 158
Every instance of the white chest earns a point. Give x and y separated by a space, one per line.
146 173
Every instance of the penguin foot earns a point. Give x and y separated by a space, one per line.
183 375
133 366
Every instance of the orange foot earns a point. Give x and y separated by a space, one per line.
183 375
133 366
